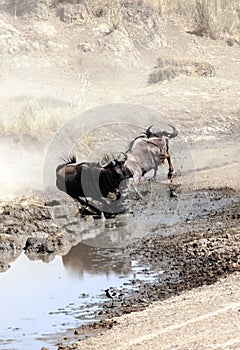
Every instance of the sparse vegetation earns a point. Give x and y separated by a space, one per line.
33 122
213 18
168 69
137 20
216 18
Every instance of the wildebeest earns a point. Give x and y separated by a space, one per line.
84 180
147 151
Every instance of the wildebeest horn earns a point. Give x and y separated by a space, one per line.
148 133
104 160
125 155
170 135
102 164
105 165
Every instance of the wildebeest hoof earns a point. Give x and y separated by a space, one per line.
84 211
173 194
109 215
52 203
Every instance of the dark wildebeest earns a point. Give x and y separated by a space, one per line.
85 179
147 151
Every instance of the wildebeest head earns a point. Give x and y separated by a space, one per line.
116 165
150 132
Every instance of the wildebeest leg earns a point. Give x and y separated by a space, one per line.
104 212
136 179
138 194
86 204
155 172
170 167
81 201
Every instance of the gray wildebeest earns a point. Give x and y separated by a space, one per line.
147 151
84 180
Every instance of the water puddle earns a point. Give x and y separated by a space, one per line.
38 299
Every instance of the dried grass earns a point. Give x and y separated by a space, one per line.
168 69
213 18
38 119
216 18
33 122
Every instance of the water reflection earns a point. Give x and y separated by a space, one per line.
83 258
39 298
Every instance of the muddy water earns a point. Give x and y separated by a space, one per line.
37 298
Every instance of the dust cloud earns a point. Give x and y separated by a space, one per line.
21 167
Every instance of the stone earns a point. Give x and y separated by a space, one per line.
85 47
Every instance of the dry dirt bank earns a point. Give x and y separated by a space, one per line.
204 318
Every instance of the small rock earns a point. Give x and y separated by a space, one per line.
4 266
39 245
85 47
52 203
104 29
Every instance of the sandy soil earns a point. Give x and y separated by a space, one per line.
204 318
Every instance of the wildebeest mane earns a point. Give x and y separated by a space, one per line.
70 159
130 145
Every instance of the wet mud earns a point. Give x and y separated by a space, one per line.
198 247
198 251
